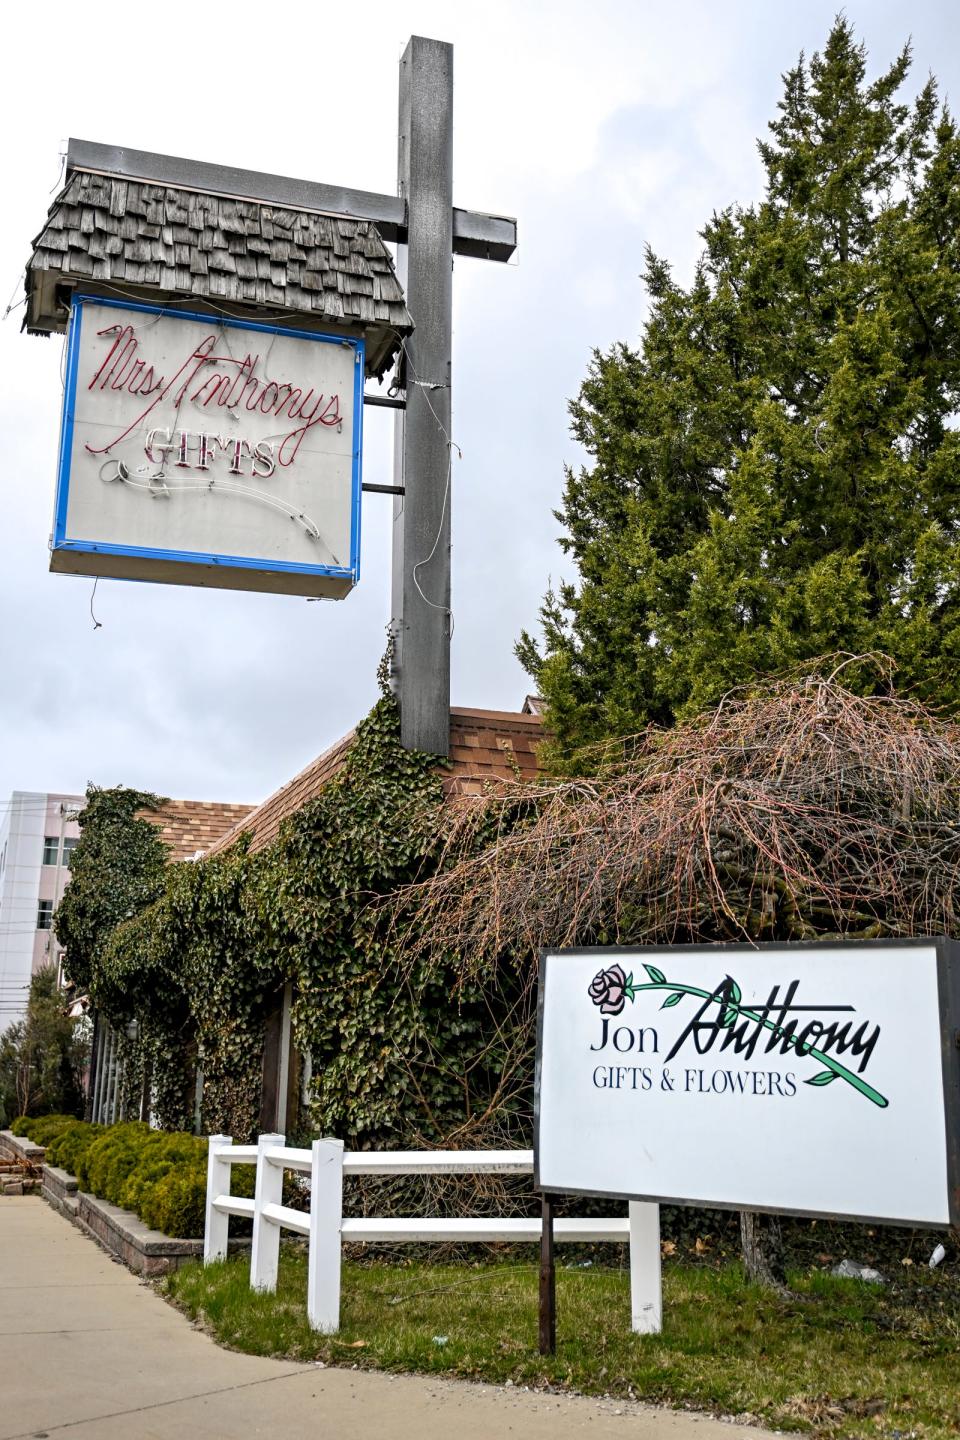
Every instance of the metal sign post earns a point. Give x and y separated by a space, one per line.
548 1280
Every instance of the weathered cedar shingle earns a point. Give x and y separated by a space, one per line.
197 245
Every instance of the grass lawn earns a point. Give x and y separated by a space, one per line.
842 1358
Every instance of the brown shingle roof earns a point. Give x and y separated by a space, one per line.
490 745
485 745
189 826
166 242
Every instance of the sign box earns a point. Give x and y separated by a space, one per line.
811 1079
203 451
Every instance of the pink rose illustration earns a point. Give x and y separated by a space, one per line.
607 989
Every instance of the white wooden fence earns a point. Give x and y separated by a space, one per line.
325 1226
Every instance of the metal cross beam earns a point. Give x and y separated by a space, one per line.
428 230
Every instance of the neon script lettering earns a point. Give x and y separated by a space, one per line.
234 387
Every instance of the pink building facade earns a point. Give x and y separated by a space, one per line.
37 834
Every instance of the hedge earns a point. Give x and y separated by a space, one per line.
162 1177
42 1129
67 1148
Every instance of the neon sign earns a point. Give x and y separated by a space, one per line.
241 428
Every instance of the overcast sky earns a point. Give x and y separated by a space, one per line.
602 127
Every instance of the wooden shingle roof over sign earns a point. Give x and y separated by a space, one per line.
162 244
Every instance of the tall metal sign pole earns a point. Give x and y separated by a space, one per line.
423 459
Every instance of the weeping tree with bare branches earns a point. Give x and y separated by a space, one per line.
799 811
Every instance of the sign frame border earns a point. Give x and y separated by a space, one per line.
61 543
948 997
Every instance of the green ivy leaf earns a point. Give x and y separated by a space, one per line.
657 976
826 1077
671 1000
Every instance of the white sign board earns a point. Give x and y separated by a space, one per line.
203 451
807 1079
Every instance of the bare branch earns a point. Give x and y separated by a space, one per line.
804 810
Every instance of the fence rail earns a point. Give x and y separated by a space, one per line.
326 1228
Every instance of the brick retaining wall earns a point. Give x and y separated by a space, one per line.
19 1148
19 1165
144 1251
60 1190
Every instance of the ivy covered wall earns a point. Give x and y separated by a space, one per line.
402 1051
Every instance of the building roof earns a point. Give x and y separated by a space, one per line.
485 746
143 241
191 826
490 745
263 823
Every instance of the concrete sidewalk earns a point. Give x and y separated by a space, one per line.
89 1352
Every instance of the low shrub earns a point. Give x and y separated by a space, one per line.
160 1155
175 1203
173 1199
42 1129
161 1176
71 1144
105 1165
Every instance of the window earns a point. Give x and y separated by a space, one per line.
50 847
69 845
45 915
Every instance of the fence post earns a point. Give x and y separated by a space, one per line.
215 1225
646 1304
326 1214
265 1252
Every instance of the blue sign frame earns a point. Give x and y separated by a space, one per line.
61 542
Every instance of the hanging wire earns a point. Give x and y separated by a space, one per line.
22 301
63 165
425 386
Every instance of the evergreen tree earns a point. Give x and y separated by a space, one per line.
775 473
42 1056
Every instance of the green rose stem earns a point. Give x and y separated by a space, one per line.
839 1071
